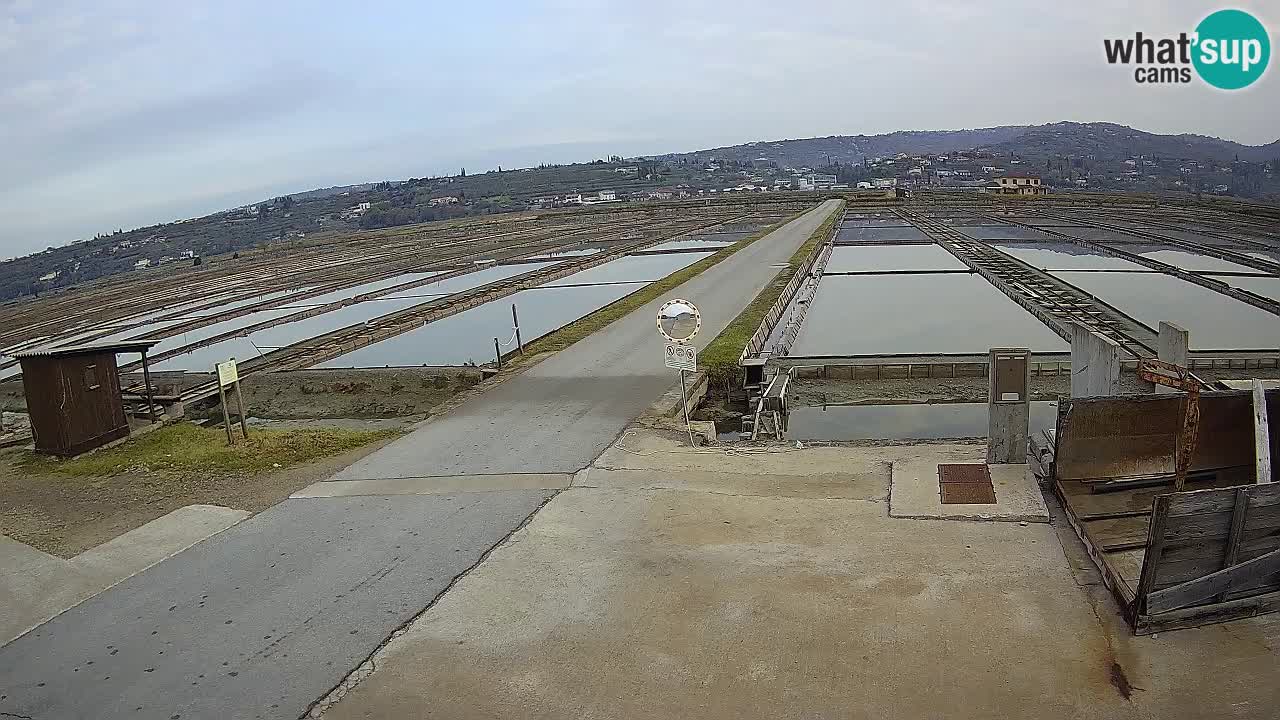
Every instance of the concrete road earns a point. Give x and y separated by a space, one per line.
562 413
261 620
268 616
722 586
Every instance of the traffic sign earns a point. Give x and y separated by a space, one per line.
679 320
681 357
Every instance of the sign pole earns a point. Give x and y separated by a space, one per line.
684 402
244 426
516 321
226 417
679 321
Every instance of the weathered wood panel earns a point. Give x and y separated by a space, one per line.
1208 548
1206 555
1125 436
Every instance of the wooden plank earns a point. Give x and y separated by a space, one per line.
1232 551
1200 588
1127 564
1151 560
1261 433
1089 505
1119 533
1120 589
1188 562
1199 501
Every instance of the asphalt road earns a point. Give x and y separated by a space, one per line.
260 620
265 618
562 413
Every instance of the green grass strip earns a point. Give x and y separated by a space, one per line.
720 357
187 447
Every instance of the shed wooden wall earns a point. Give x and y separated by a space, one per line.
68 416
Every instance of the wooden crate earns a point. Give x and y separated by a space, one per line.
1172 559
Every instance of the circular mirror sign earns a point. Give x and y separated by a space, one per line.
679 320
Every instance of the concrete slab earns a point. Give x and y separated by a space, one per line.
448 484
644 603
914 490
161 538
260 620
867 484
36 586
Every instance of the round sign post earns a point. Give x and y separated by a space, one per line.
679 321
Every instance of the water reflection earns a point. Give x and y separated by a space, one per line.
1216 321
918 314
903 422
881 258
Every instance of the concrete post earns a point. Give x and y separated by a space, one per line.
1172 347
1095 364
1008 405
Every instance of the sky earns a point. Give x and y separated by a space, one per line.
122 113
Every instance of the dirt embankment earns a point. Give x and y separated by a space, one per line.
302 394
354 393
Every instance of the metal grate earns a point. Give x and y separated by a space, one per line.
964 473
965 484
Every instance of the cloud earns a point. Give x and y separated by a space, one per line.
119 112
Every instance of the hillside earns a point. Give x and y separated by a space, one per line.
1104 141
817 152
1068 155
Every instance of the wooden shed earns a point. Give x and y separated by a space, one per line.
73 394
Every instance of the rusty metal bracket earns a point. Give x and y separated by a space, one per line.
1177 377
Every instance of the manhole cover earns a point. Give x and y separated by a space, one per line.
966 484
968 494
964 473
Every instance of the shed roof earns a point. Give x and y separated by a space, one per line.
127 346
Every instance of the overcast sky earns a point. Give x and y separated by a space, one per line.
116 113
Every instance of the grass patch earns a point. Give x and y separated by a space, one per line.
720 357
187 447
584 326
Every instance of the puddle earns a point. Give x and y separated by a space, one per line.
710 242
917 314
1066 256
880 232
1268 287
881 258
361 289
562 255
469 281
903 422
1216 322
1004 232
632 268
1193 261
468 336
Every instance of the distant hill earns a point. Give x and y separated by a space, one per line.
1096 156
1108 141
1104 141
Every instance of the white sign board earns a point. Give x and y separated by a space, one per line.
681 357
227 373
